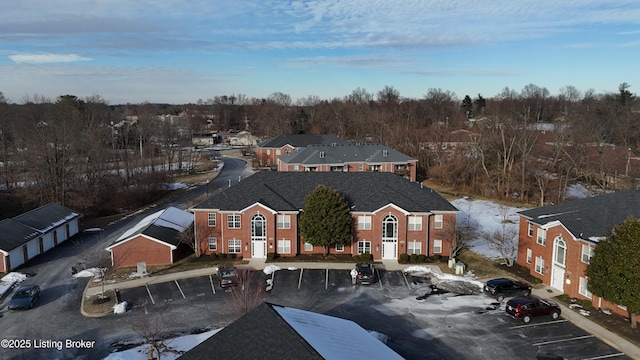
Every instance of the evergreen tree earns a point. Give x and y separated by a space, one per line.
613 271
467 106
481 103
326 219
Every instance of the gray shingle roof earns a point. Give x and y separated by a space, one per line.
14 234
47 216
590 218
25 227
165 225
260 334
345 153
276 332
301 140
365 192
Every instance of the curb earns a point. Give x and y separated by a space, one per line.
82 304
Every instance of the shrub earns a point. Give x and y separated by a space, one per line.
366 257
422 258
436 257
271 256
404 258
413 258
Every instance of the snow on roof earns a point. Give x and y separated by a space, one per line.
170 217
334 337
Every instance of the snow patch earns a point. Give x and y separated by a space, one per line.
270 269
120 308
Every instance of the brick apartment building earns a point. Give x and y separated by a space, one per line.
556 242
391 216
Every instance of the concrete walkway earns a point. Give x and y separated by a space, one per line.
614 340
630 349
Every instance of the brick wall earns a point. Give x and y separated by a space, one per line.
141 249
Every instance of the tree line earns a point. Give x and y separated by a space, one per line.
78 152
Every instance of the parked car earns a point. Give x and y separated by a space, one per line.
366 273
501 288
25 297
227 276
529 307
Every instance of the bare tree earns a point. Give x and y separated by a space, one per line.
503 239
249 293
152 332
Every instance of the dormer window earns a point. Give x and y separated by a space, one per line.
321 154
385 153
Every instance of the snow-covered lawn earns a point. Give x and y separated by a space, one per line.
9 280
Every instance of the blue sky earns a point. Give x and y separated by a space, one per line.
181 51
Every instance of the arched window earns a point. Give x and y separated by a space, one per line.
560 250
258 227
390 227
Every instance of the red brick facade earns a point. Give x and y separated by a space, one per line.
231 232
406 170
141 249
541 251
268 157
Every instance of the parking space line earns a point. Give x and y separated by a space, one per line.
149 292
213 288
179 288
405 280
606 356
378 277
326 280
562 340
300 280
536 324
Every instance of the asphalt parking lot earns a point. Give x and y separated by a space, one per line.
444 326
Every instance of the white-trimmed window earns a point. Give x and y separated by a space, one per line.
284 246
361 167
587 253
437 246
437 222
211 219
213 243
268 151
582 287
364 222
539 265
308 247
364 247
529 256
234 246
530 229
415 223
340 247
233 221
542 236
278 152
414 247
284 221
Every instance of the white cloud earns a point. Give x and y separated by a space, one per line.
47 58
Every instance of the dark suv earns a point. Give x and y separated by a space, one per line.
528 307
227 276
501 288
366 273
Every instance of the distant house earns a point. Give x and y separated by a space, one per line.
556 242
259 215
276 332
350 157
30 234
155 240
267 151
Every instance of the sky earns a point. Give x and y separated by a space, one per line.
178 52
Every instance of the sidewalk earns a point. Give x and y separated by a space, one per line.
630 349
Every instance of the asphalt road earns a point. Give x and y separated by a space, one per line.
438 327
56 316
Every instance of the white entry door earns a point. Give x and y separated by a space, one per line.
258 249
389 250
557 278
